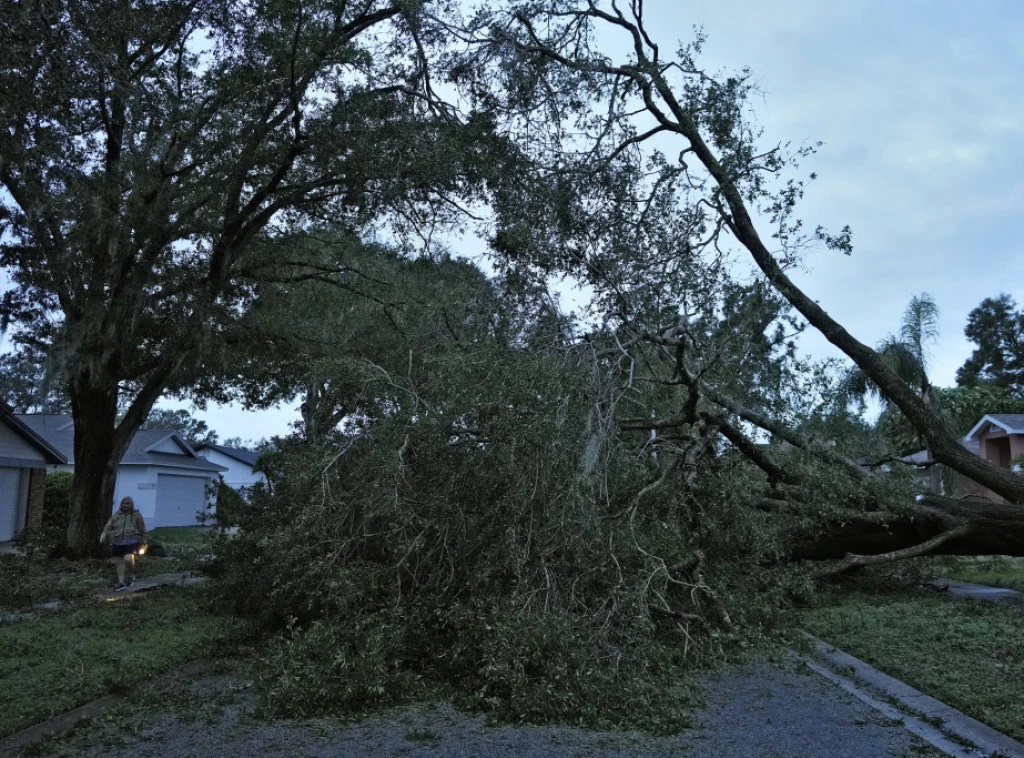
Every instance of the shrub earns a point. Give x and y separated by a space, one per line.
229 504
49 537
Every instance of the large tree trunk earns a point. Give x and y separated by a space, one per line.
97 455
942 525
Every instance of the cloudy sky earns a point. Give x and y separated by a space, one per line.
921 109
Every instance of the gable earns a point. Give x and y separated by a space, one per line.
168 445
13 445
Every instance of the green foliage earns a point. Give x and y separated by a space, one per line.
905 355
194 431
960 407
229 505
29 384
997 328
48 538
482 535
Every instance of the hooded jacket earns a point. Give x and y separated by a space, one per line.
125 527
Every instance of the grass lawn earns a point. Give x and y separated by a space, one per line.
178 537
968 654
53 661
993 570
57 661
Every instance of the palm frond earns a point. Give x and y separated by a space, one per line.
920 326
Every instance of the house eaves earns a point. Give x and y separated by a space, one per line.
50 453
1011 423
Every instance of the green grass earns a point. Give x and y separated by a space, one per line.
27 582
191 537
968 654
58 661
993 570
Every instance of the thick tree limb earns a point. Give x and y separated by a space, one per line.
991 529
853 561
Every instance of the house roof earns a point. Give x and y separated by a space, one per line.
59 432
248 457
1011 423
51 453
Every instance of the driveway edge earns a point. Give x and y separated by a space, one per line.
955 727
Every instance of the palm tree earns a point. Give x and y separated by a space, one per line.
907 356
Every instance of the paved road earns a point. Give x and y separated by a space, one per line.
762 710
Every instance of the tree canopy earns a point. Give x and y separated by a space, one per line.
147 149
997 328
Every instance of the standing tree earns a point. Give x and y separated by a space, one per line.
147 146
997 328
193 430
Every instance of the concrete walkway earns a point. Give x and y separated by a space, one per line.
175 579
978 591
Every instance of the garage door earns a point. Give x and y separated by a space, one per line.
10 488
178 500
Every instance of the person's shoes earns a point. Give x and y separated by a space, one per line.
130 582
120 586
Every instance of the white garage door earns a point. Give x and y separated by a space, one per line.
178 499
10 489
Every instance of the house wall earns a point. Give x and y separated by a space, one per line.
238 474
140 482
994 438
13 446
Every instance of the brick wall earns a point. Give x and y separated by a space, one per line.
36 495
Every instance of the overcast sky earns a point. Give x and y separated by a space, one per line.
921 109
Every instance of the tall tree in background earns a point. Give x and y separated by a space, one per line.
997 328
335 344
193 430
146 146
29 386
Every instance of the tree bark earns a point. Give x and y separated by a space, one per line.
977 527
94 410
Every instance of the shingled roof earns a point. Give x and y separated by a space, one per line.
59 432
1011 423
51 453
248 457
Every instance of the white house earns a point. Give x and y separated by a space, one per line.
169 482
239 463
24 457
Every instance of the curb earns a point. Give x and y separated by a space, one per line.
66 721
874 687
957 588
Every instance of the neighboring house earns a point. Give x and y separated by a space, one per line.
166 478
1000 438
24 457
240 474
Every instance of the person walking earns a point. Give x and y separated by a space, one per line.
126 532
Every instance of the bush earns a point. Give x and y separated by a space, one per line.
57 503
229 504
49 537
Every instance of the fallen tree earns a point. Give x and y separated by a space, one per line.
642 227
